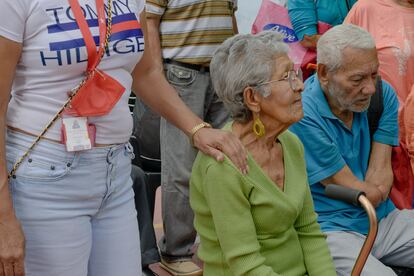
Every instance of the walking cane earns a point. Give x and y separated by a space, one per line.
357 198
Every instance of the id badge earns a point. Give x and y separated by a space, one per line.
76 134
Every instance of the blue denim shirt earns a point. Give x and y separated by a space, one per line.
330 145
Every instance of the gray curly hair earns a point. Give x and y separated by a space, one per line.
242 61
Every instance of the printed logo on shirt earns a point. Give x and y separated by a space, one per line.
66 44
288 33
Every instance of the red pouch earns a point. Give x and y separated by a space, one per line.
97 96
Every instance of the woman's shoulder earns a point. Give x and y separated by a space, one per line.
204 163
224 177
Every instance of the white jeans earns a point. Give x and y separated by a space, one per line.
77 209
394 246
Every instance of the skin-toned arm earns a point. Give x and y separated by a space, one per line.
346 178
11 234
379 171
153 37
152 87
235 26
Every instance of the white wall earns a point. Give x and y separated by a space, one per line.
246 13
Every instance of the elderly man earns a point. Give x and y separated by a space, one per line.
338 149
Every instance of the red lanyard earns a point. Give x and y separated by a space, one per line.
94 57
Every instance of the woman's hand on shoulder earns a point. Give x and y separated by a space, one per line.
216 143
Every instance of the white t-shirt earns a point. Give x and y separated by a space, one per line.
54 59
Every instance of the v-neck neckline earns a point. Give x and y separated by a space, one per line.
263 174
267 177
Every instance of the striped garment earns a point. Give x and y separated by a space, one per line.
191 30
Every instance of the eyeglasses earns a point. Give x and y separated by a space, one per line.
292 77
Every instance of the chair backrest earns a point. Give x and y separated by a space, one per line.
146 163
146 136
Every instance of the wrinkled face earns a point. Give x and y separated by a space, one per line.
283 105
350 88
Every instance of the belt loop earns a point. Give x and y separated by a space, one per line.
130 150
196 67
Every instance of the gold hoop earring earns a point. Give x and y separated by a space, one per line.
258 127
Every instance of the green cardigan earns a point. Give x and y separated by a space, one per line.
249 226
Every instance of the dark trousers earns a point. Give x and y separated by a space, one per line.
144 203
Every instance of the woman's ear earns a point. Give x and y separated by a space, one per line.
252 99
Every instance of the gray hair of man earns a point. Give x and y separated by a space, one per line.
243 61
332 44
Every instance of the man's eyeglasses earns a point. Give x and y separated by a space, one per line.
292 77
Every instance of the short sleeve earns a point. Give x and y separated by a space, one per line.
140 6
303 17
387 132
156 6
359 13
13 15
322 155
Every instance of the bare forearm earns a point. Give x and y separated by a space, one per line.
149 80
346 178
154 41
150 84
235 26
6 208
9 55
379 171
167 103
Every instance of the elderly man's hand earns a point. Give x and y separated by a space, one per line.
215 142
11 247
374 195
384 189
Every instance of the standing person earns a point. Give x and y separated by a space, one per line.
72 212
339 150
391 23
183 39
305 15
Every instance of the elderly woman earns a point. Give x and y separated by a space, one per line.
262 223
